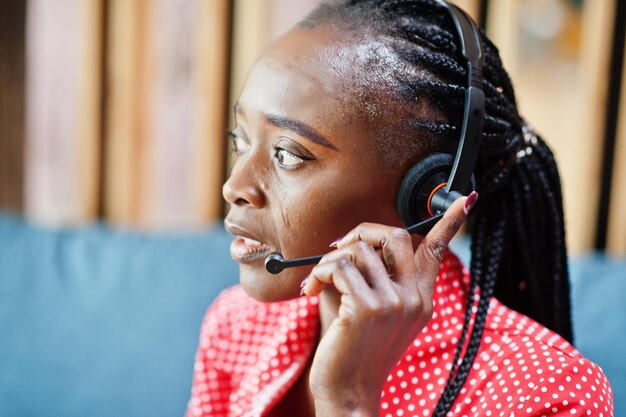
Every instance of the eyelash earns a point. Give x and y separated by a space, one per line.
277 152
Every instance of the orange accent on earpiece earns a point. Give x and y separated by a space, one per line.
430 197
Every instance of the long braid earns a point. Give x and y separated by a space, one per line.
518 236
487 261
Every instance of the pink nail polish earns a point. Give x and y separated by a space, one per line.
470 202
303 284
334 244
304 281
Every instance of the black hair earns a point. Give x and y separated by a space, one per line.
518 235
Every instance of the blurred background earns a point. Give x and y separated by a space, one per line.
116 110
113 119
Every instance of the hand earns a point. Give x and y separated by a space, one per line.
386 300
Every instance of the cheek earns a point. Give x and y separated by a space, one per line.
317 217
303 223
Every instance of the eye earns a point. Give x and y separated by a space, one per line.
240 145
287 159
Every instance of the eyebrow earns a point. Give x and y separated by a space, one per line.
300 128
297 126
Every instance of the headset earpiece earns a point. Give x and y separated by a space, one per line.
419 185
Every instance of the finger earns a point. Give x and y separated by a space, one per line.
431 250
396 246
343 274
369 262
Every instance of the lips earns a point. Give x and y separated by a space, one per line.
246 247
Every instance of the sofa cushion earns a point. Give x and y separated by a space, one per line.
599 316
101 322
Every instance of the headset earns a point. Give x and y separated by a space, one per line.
431 186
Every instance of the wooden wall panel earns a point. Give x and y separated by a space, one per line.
166 114
168 73
12 39
62 113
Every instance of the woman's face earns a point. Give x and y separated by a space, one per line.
309 167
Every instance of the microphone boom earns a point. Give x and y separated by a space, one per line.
275 263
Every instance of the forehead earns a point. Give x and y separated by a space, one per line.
321 74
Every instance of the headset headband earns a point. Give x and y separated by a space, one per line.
474 107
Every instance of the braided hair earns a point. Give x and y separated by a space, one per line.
518 236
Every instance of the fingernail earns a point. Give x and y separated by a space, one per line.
334 244
304 281
303 284
470 202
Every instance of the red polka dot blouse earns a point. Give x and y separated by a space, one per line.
251 353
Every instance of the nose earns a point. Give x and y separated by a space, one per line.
242 188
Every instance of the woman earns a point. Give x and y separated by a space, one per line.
329 121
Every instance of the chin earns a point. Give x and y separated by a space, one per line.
265 287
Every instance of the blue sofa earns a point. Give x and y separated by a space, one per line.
102 322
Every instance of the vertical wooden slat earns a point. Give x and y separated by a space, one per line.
88 121
171 59
211 81
12 34
249 39
611 119
104 65
594 59
483 13
503 28
62 118
50 76
616 238
127 110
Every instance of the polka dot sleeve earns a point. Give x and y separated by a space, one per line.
250 354
578 388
